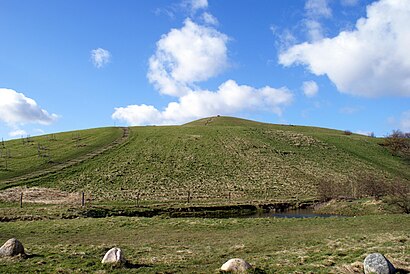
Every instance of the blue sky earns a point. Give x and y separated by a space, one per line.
67 65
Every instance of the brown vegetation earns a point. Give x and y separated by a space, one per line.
395 194
399 143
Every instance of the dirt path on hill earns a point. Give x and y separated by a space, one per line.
16 181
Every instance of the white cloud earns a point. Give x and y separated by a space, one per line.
17 132
183 58
195 5
371 60
230 98
138 115
209 19
364 132
314 30
16 108
405 121
283 38
100 57
186 56
318 8
310 88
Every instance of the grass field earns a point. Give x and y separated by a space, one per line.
162 245
34 156
217 161
221 156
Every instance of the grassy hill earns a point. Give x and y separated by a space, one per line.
212 158
32 157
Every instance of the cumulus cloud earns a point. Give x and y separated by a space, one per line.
310 88
17 132
16 108
100 57
372 60
186 56
230 98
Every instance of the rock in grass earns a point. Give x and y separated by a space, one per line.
12 247
113 256
236 266
378 264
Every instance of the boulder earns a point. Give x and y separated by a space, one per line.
378 264
113 256
12 247
236 266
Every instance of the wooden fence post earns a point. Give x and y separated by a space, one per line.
189 196
21 200
82 199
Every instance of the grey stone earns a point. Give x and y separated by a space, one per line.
113 256
378 264
236 266
12 247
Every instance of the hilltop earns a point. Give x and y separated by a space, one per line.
212 158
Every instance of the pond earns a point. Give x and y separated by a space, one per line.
291 213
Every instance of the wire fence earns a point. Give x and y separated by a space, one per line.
26 196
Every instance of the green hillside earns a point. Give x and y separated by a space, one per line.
33 157
214 158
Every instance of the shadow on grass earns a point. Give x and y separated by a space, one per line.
402 271
135 266
258 271
31 256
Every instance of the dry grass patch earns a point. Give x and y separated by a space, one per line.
39 195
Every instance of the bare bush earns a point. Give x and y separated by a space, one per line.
365 185
328 189
370 186
399 143
347 132
395 194
399 196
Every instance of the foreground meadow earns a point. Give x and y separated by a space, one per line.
192 245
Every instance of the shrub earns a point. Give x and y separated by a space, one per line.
328 189
399 143
370 186
399 196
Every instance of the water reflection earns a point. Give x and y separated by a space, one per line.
291 213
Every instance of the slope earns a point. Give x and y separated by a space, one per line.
32 157
220 157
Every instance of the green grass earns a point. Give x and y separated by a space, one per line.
158 245
44 152
216 156
213 159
